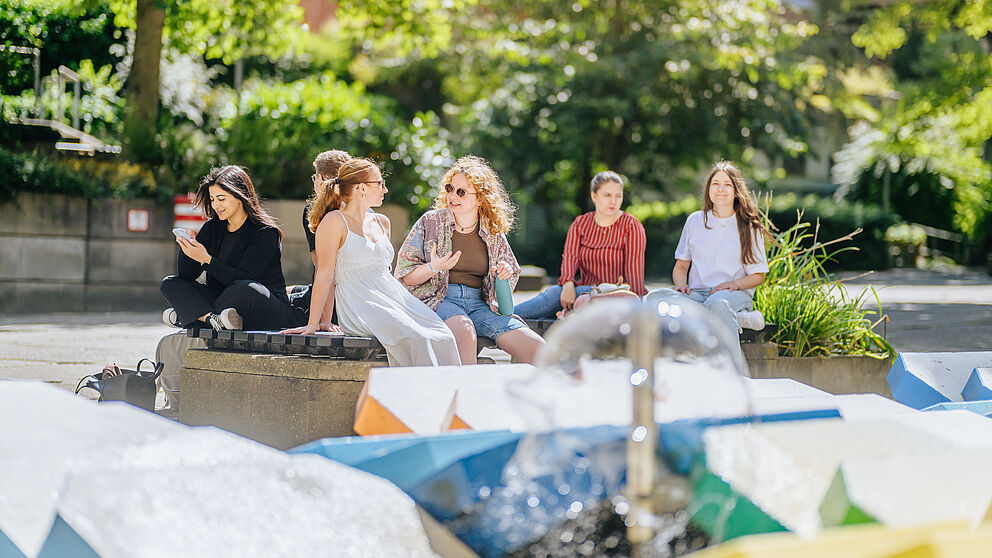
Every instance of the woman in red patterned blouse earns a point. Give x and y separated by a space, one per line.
603 246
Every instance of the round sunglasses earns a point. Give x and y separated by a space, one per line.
460 192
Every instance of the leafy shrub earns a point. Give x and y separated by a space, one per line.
276 130
815 315
76 176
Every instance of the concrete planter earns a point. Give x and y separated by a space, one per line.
280 400
836 374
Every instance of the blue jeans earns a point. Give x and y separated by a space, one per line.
462 300
546 304
723 304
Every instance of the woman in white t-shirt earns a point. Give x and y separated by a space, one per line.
720 259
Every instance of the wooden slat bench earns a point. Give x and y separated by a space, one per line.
355 347
343 346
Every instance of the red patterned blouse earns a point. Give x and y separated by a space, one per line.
605 254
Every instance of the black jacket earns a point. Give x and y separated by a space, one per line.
256 257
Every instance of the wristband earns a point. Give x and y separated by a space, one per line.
430 267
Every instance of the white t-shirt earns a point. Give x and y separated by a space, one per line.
715 252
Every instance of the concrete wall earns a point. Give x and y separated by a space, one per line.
837 374
65 254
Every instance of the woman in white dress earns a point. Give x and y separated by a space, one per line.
353 256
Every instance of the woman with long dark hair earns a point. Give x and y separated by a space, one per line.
240 249
720 259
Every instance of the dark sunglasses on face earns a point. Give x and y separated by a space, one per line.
460 192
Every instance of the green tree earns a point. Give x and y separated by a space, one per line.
553 92
226 30
920 140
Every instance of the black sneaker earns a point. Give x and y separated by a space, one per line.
228 318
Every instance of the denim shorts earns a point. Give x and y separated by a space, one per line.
466 301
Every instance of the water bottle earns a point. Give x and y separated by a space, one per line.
504 297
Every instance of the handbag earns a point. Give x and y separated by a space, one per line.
136 387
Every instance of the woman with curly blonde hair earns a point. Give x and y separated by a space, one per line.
454 254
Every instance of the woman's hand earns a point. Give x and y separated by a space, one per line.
567 297
329 326
193 249
503 270
302 330
726 286
443 263
683 289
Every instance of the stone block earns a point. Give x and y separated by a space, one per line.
23 297
130 261
44 214
297 265
979 385
115 297
279 400
45 258
759 351
924 379
926 489
289 215
108 219
805 456
983 408
836 374
532 278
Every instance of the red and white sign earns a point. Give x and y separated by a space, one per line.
187 215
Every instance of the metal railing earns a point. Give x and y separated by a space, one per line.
84 143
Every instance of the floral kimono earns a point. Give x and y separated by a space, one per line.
436 227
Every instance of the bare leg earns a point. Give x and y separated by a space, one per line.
465 337
522 344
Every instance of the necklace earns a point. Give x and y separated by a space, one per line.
467 229
722 221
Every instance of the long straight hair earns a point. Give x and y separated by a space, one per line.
748 216
235 181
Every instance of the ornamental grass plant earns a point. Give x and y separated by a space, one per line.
815 314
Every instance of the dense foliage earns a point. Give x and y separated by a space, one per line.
921 146
868 249
815 314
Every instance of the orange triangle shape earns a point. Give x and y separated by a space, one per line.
372 418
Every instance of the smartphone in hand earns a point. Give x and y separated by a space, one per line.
181 233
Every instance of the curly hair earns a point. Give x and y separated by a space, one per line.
339 190
748 216
496 210
235 181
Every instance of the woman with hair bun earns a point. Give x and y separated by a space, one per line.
454 255
720 259
239 248
603 246
353 256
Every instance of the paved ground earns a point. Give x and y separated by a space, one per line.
928 310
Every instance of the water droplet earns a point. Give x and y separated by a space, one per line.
639 433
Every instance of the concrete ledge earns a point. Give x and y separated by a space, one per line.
37 296
836 374
279 400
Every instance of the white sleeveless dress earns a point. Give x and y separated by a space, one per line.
371 302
